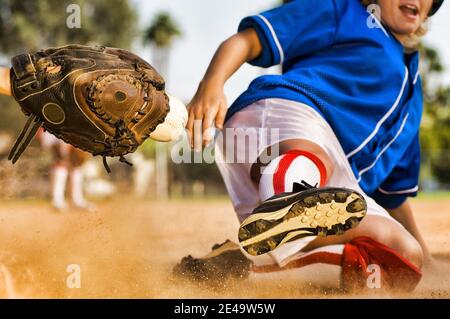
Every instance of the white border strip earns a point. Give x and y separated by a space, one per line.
416 78
274 36
380 25
383 119
384 149
405 191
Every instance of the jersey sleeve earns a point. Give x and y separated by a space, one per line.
300 27
403 182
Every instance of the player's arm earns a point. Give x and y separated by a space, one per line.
5 84
209 104
404 215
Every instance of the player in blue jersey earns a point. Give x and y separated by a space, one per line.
330 143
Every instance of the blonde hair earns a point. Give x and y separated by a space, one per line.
412 42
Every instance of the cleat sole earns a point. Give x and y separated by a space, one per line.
278 221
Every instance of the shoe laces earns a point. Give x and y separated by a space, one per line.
302 186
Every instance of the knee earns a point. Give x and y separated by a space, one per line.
310 147
403 243
394 237
409 248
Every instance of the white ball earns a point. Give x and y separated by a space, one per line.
173 126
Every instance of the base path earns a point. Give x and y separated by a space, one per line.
129 247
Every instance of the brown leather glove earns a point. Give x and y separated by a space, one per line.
105 101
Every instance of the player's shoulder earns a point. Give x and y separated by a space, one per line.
350 15
340 5
355 20
342 9
346 7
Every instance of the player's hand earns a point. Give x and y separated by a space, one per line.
5 83
5 80
208 107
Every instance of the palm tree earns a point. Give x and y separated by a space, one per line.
160 35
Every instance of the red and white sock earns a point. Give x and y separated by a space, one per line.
319 267
396 272
292 167
350 266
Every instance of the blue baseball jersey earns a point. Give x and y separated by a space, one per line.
339 59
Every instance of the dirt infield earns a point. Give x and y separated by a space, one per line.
128 248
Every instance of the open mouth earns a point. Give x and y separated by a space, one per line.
410 9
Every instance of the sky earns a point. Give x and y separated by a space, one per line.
206 23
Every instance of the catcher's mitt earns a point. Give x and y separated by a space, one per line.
103 100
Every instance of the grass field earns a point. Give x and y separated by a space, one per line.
128 248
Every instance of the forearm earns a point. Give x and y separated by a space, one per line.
5 84
404 215
209 105
231 55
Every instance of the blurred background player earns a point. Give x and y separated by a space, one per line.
66 170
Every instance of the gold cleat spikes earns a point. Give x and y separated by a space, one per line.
354 222
356 206
243 234
339 229
313 212
261 226
253 250
271 243
322 232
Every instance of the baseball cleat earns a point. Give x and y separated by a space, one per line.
311 212
225 261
